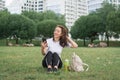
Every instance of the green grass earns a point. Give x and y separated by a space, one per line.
24 63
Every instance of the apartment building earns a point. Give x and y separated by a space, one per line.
96 4
17 6
2 5
72 9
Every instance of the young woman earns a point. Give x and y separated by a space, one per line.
52 48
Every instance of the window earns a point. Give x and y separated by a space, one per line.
110 0
114 0
32 9
40 5
40 1
32 5
24 7
40 8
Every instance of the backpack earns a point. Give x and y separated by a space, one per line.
77 64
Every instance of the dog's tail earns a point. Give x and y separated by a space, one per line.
87 66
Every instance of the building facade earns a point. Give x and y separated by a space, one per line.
96 4
2 5
72 9
17 6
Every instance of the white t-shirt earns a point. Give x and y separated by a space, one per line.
54 46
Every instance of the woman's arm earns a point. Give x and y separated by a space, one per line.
43 47
73 43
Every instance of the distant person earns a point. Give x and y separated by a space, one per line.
52 48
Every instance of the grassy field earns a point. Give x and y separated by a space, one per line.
24 63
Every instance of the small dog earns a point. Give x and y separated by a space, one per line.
77 64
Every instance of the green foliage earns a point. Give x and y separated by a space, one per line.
111 43
87 27
22 27
46 21
35 16
4 29
113 22
25 25
103 13
47 27
41 16
80 43
50 15
104 20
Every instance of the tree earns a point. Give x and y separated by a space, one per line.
50 15
113 22
87 27
47 27
78 29
35 16
4 29
46 21
103 13
21 27
94 26
47 15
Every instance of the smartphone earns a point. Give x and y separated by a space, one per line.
43 39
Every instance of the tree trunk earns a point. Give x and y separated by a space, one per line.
17 41
91 40
30 40
107 39
102 37
6 42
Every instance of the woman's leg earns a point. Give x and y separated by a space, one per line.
57 63
47 61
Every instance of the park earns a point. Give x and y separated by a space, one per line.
21 62
24 63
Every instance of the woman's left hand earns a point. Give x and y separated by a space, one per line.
73 43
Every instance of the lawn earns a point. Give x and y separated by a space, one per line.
24 63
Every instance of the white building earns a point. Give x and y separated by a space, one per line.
2 5
72 9
17 6
96 4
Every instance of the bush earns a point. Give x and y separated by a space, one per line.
111 43
80 43
36 42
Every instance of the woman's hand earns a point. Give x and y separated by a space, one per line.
73 43
44 47
44 44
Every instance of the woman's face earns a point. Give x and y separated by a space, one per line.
57 32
